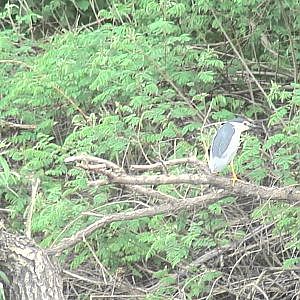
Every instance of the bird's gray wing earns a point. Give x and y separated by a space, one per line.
222 139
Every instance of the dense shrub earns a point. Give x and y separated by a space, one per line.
140 87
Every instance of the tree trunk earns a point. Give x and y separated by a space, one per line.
31 273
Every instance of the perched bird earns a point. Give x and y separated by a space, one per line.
225 145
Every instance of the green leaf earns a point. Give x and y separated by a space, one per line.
83 4
4 278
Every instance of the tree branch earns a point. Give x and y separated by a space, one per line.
117 175
15 125
204 177
166 209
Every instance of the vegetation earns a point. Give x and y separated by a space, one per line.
137 82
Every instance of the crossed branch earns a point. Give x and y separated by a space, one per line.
168 204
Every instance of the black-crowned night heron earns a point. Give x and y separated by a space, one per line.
225 145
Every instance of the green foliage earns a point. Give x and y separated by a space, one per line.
286 220
29 17
2 296
3 279
132 89
198 284
291 262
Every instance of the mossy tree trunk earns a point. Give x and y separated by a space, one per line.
31 273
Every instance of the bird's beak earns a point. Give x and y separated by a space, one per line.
251 125
254 126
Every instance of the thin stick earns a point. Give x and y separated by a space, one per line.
18 126
34 189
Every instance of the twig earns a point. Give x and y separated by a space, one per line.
18 62
232 246
72 102
241 59
83 278
159 165
266 73
266 43
34 190
18 126
97 22
291 40
93 159
99 163
6 210
102 268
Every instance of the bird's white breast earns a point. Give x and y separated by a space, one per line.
234 146
216 164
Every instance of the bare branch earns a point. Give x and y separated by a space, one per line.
158 165
34 191
240 187
100 163
230 247
118 176
15 125
166 209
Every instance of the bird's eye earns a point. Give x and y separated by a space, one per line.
245 123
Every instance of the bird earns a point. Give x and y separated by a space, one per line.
225 145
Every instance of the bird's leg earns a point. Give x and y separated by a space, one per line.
206 153
234 177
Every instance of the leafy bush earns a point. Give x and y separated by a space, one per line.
137 90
